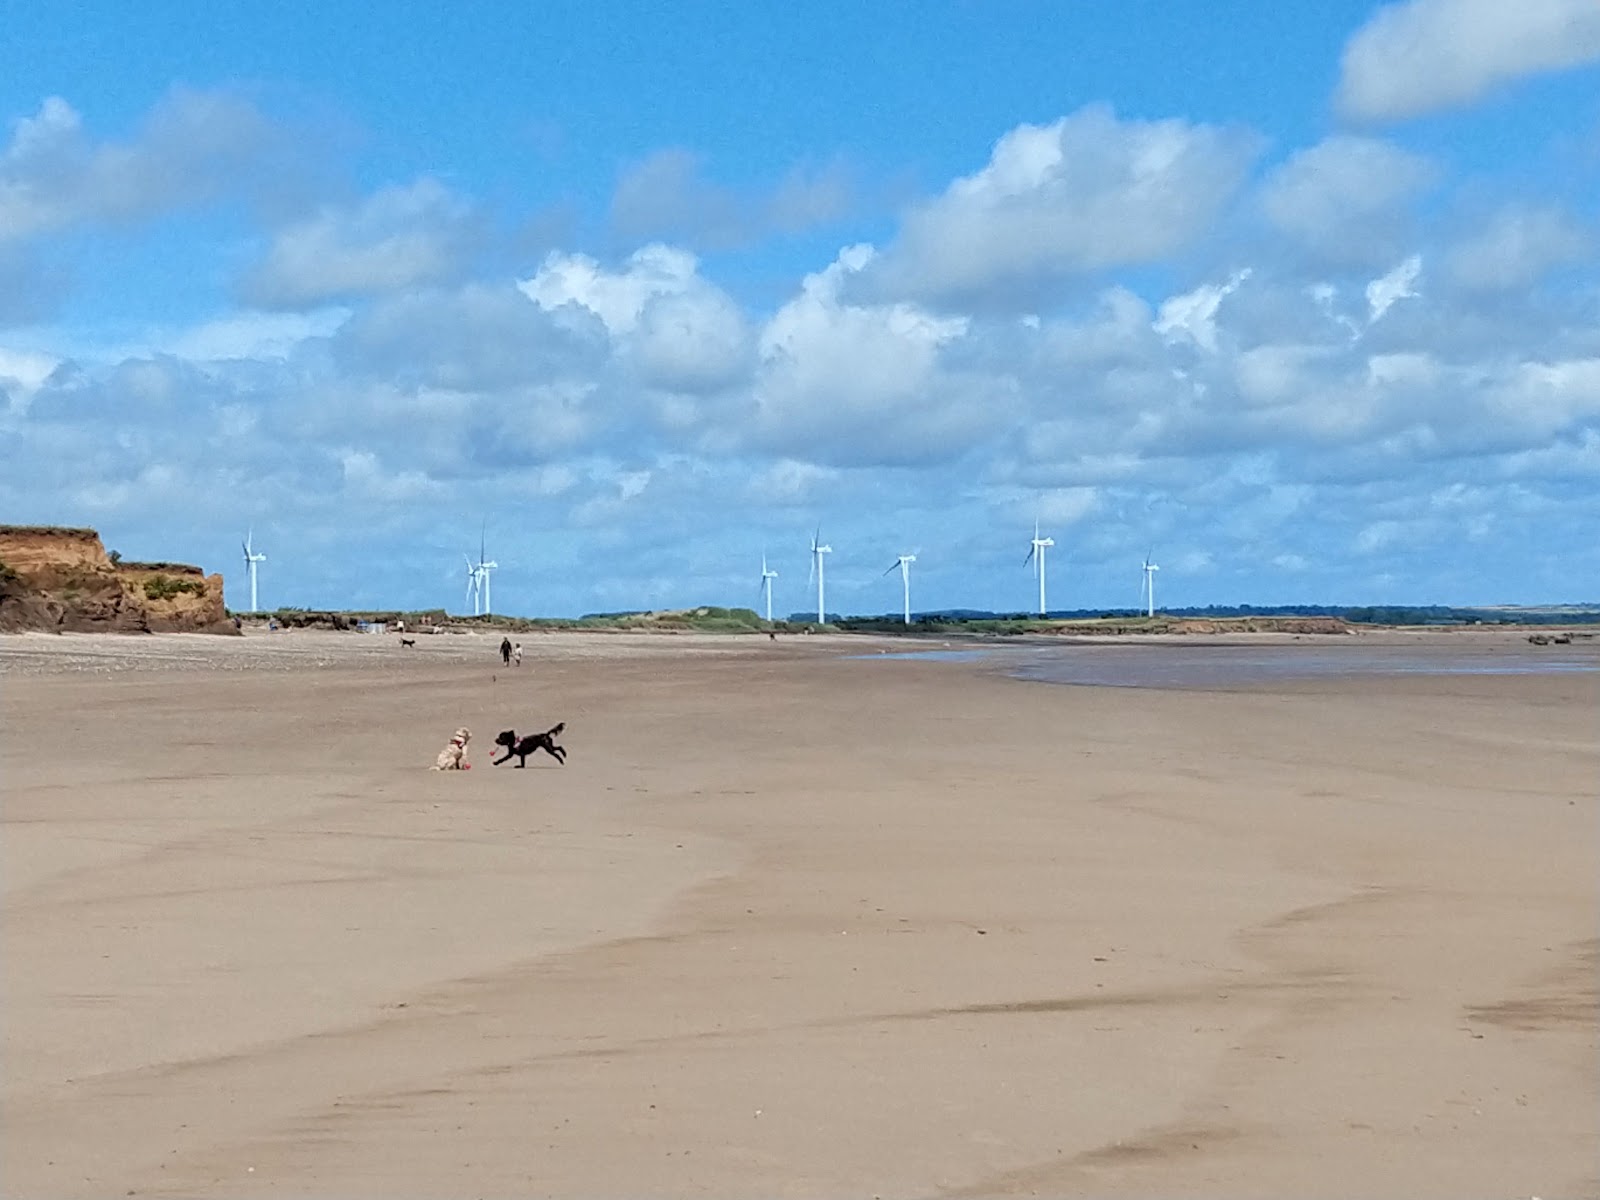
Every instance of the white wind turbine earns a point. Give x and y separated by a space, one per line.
817 551
1149 589
904 563
474 583
767 576
1036 557
250 561
478 589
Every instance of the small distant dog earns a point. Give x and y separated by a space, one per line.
408 641
520 748
453 757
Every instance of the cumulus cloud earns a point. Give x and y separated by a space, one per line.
616 297
397 238
1347 198
678 331
1422 56
854 383
476 338
194 146
1516 247
1085 193
667 196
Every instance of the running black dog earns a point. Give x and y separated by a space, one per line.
520 748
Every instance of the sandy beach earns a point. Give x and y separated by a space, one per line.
796 919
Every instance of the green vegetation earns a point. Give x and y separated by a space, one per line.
705 619
716 619
165 587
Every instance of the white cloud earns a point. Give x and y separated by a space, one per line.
677 331
1085 193
666 196
788 481
1346 198
1056 507
855 382
1192 316
23 372
1425 55
193 146
250 335
397 238
1387 290
366 478
1546 398
617 297
1517 246
1379 535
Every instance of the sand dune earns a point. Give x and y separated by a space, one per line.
789 923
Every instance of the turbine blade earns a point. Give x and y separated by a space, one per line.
892 566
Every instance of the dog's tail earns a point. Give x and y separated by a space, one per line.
556 731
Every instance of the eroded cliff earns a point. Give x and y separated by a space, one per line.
62 580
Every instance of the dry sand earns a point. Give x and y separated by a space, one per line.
788 923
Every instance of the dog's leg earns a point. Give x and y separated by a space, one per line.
497 762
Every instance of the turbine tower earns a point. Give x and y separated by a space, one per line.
904 563
817 551
1150 570
767 576
1036 557
474 583
250 561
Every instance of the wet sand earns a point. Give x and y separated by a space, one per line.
790 922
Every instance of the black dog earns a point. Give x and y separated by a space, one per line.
520 748
408 641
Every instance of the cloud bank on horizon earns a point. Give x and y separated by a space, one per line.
1328 333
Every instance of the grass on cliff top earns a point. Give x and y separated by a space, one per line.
49 531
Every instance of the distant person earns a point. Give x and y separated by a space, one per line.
516 653
505 651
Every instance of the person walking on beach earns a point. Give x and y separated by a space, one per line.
516 653
505 651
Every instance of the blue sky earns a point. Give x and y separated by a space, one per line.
1306 297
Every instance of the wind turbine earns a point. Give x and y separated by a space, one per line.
904 563
1036 557
474 582
250 561
481 571
1150 570
817 551
767 576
